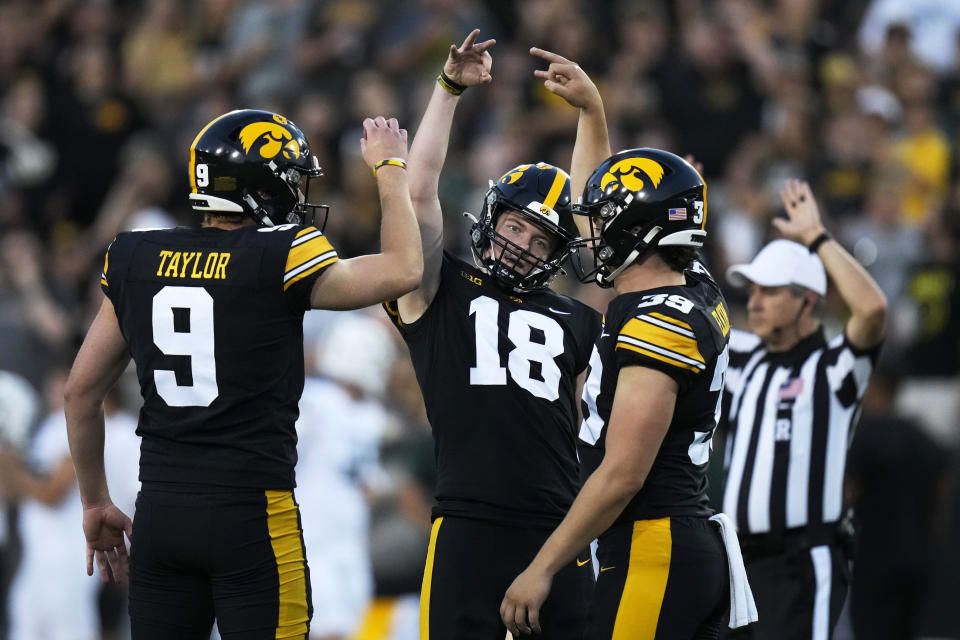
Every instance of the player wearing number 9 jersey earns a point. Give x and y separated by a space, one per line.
652 401
497 356
213 319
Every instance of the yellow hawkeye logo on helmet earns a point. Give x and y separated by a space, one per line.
630 172
272 137
513 176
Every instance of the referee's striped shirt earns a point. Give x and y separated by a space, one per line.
790 418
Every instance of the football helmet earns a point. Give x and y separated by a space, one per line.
257 163
541 194
637 200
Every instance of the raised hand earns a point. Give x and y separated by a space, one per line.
469 64
803 223
382 139
566 79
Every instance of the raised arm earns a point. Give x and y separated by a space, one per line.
566 79
861 294
467 65
379 277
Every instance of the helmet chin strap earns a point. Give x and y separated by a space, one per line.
259 213
631 257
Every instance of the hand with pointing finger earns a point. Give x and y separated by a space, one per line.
566 79
470 63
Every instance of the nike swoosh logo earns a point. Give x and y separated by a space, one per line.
602 569
565 313
580 564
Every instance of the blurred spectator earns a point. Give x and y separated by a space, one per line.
882 242
342 420
35 309
93 117
926 28
894 468
923 160
159 58
931 355
19 408
51 597
261 41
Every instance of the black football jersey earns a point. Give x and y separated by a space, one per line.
498 371
683 332
214 322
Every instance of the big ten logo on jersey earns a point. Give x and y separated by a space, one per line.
194 265
720 316
477 280
536 340
671 300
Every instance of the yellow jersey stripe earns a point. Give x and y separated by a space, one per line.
307 272
651 546
285 537
303 232
307 251
427 579
658 356
666 318
193 153
104 282
555 189
666 339
394 312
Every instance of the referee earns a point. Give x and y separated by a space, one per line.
791 400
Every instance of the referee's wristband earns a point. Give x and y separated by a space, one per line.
392 162
818 241
449 85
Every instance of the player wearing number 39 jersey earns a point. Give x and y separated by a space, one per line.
213 319
498 356
652 402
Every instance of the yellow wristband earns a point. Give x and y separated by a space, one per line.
454 88
393 162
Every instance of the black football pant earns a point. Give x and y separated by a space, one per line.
799 594
470 565
236 556
663 579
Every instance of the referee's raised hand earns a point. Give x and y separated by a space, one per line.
803 222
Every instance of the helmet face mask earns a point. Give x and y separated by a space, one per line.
637 200
255 163
539 196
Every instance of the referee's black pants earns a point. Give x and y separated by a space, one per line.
799 592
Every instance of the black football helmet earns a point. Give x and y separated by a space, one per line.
541 194
636 200
257 163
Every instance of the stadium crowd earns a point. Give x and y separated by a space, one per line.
99 101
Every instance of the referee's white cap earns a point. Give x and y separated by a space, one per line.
781 263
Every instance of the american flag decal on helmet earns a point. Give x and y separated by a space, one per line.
677 214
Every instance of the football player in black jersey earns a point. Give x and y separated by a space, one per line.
498 356
651 403
213 319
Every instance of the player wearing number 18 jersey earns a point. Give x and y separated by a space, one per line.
213 318
498 356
